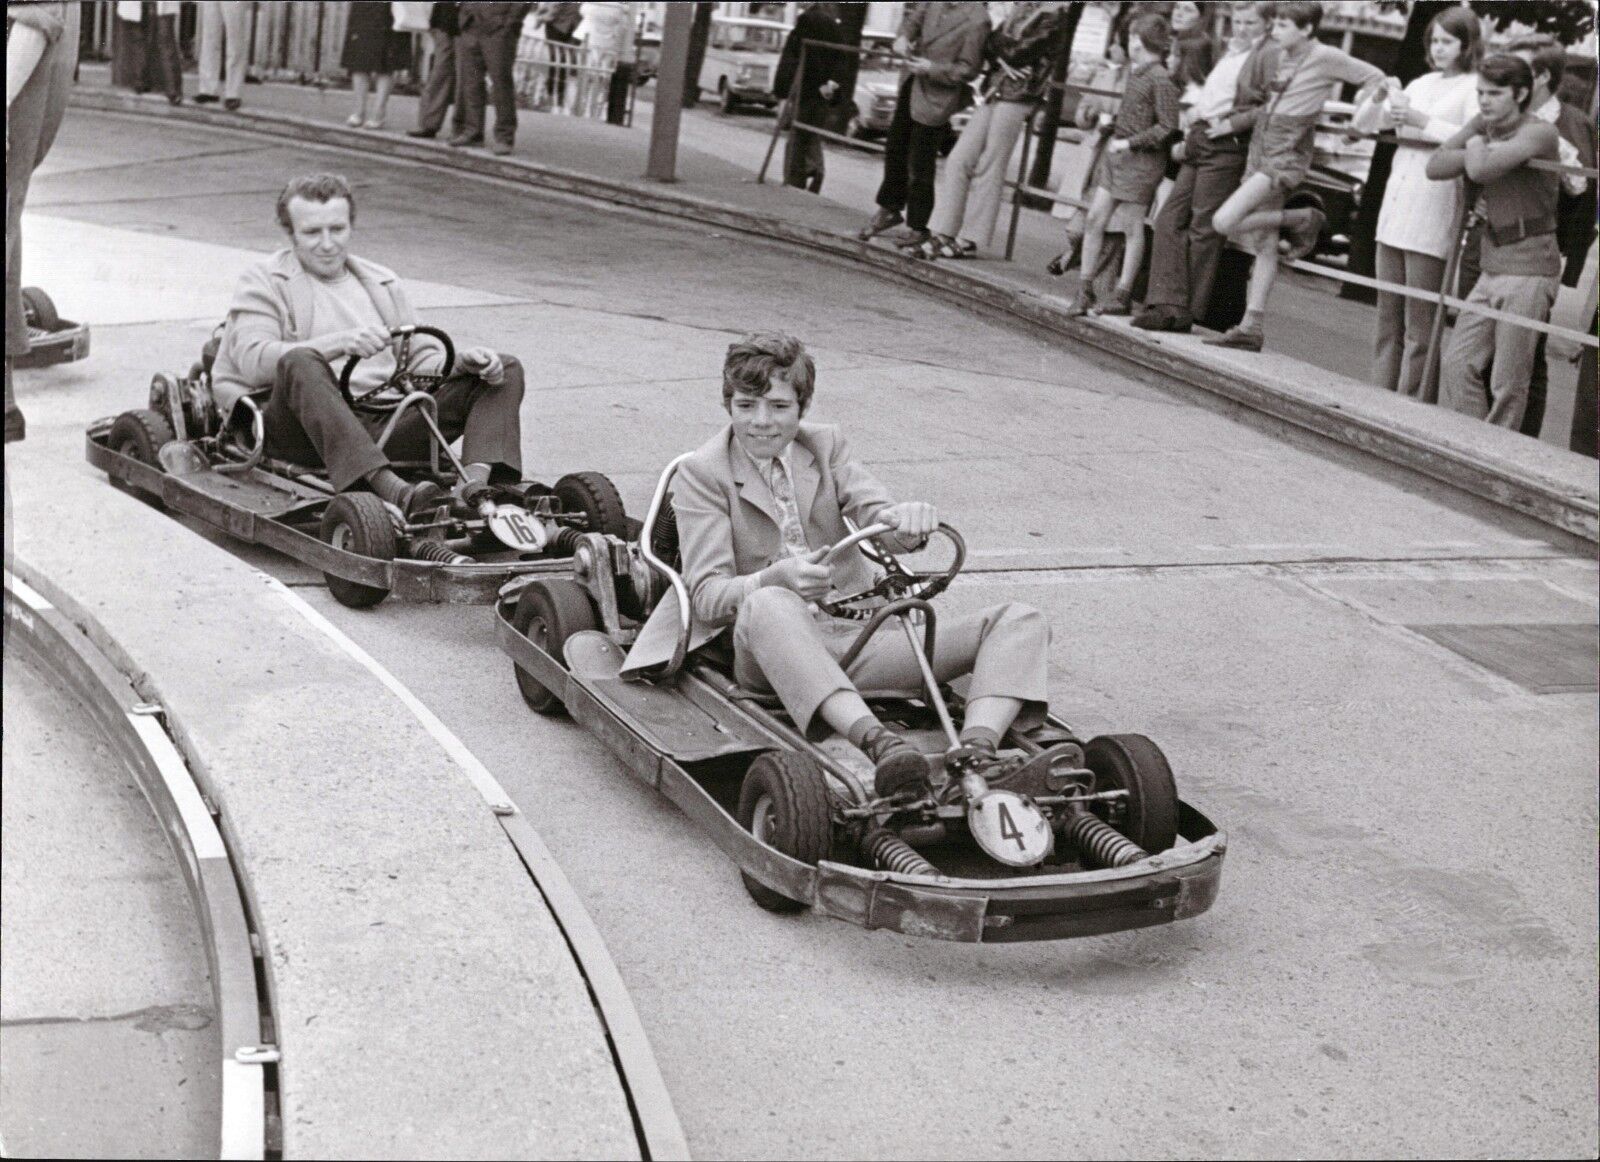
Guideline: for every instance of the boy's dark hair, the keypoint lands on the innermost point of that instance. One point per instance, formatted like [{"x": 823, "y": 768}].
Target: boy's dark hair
[
  {"x": 1548, "y": 56},
  {"x": 1304, "y": 13},
  {"x": 316, "y": 187},
  {"x": 1507, "y": 71},
  {"x": 1268, "y": 10},
  {"x": 1154, "y": 33},
  {"x": 752, "y": 360}
]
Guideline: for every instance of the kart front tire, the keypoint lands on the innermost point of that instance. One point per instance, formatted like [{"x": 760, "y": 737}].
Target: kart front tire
[
  {"x": 39, "y": 309},
  {"x": 593, "y": 494},
  {"x": 139, "y": 435},
  {"x": 1132, "y": 763},
  {"x": 358, "y": 522},
  {"x": 548, "y": 613},
  {"x": 784, "y": 803}
]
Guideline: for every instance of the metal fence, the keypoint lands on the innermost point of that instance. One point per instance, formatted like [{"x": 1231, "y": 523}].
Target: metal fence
[{"x": 566, "y": 78}]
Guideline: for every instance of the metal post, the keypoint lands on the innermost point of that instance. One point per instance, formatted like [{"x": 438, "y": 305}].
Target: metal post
[
  {"x": 1022, "y": 179},
  {"x": 671, "y": 76},
  {"x": 793, "y": 100},
  {"x": 1430, "y": 365}
]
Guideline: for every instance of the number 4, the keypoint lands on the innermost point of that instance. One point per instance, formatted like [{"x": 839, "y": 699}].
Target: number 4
[{"x": 1009, "y": 828}]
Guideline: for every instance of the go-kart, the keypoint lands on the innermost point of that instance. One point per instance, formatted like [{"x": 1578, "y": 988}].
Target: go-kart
[
  {"x": 180, "y": 453},
  {"x": 51, "y": 339},
  {"x": 1052, "y": 837}
]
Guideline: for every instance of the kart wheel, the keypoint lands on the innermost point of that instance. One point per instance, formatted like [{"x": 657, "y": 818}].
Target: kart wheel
[
  {"x": 39, "y": 310},
  {"x": 548, "y": 613},
  {"x": 139, "y": 436},
  {"x": 593, "y": 494},
  {"x": 1132, "y": 763},
  {"x": 784, "y": 804},
  {"x": 358, "y": 522}
]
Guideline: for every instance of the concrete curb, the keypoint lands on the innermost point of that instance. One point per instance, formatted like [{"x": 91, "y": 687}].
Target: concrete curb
[{"x": 1558, "y": 488}]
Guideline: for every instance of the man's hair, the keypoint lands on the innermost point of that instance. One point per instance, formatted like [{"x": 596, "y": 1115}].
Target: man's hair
[
  {"x": 752, "y": 360},
  {"x": 1511, "y": 72},
  {"x": 1547, "y": 53},
  {"x": 1304, "y": 13},
  {"x": 1267, "y": 8},
  {"x": 1461, "y": 23},
  {"x": 1154, "y": 33},
  {"x": 316, "y": 187}
]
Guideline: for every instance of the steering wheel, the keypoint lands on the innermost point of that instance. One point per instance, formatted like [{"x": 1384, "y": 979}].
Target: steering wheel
[
  {"x": 897, "y": 580},
  {"x": 403, "y": 378}
]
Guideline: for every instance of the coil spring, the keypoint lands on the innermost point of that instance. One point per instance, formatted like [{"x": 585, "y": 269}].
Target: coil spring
[
  {"x": 432, "y": 550},
  {"x": 892, "y": 853},
  {"x": 1099, "y": 844},
  {"x": 564, "y": 543}
]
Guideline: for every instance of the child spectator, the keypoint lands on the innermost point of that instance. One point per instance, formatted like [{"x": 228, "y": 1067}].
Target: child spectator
[
  {"x": 1136, "y": 158},
  {"x": 1280, "y": 155}
]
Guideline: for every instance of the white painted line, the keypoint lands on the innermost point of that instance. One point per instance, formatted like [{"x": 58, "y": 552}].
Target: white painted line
[
  {"x": 29, "y": 595},
  {"x": 244, "y": 1110}
]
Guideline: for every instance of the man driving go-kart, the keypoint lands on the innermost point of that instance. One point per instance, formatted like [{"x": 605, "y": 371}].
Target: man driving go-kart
[
  {"x": 757, "y": 508},
  {"x": 314, "y": 302}
]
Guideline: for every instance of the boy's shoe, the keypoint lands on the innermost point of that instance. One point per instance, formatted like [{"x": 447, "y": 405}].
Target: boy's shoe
[
  {"x": 1303, "y": 238},
  {"x": 422, "y": 133},
  {"x": 1237, "y": 338},
  {"x": 205, "y": 98},
  {"x": 461, "y": 139},
  {"x": 897, "y": 765},
  {"x": 882, "y": 220},
  {"x": 231, "y": 104},
  {"x": 421, "y": 498},
  {"x": 1063, "y": 262},
  {"x": 500, "y": 148},
  {"x": 1082, "y": 303}
]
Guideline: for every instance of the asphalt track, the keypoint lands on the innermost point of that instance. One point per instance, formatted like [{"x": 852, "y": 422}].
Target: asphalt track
[{"x": 1403, "y": 957}]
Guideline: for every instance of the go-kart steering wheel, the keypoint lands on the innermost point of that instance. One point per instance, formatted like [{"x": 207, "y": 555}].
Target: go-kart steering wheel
[
  {"x": 897, "y": 581},
  {"x": 403, "y": 378}
]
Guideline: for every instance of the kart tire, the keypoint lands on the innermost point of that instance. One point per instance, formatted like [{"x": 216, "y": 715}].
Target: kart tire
[
  {"x": 139, "y": 435},
  {"x": 39, "y": 310},
  {"x": 548, "y": 613},
  {"x": 358, "y": 522},
  {"x": 593, "y": 494},
  {"x": 1132, "y": 763},
  {"x": 790, "y": 794}
]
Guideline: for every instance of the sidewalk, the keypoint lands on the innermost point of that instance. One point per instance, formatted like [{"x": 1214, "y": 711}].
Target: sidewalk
[{"x": 595, "y": 160}]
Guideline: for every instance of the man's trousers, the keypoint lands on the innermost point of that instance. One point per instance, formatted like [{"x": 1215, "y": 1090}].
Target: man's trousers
[
  {"x": 482, "y": 52},
  {"x": 1489, "y": 363},
  {"x": 1186, "y": 251},
  {"x": 910, "y": 157},
  {"x": 224, "y": 47},
  {"x": 308, "y": 422},
  {"x": 441, "y": 91}
]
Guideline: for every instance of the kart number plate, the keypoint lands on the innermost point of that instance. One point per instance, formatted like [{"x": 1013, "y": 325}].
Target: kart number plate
[
  {"x": 517, "y": 529},
  {"x": 1010, "y": 828}
]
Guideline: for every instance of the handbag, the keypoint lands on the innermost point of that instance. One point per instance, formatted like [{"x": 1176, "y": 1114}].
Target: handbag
[{"x": 411, "y": 17}]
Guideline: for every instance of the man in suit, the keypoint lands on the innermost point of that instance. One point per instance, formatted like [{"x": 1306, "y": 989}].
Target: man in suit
[
  {"x": 314, "y": 302},
  {"x": 486, "y": 46},
  {"x": 441, "y": 92},
  {"x": 757, "y": 507},
  {"x": 813, "y": 95}
]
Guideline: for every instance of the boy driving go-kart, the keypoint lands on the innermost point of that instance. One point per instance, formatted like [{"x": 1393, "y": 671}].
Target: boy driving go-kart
[{"x": 757, "y": 507}]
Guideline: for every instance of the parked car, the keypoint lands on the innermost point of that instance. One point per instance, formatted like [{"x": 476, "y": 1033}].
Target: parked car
[
  {"x": 741, "y": 57},
  {"x": 877, "y": 89}
]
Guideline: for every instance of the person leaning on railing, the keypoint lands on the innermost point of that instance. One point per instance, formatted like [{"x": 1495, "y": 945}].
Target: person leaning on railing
[
  {"x": 1418, "y": 221},
  {"x": 1520, "y": 261},
  {"x": 1017, "y": 57},
  {"x": 810, "y": 97}
]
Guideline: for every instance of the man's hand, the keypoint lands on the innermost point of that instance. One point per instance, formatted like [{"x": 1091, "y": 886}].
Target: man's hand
[
  {"x": 920, "y": 65},
  {"x": 806, "y": 575},
  {"x": 483, "y": 363},
  {"x": 829, "y": 89},
  {"x": 911, "y": 518},
  {"x": 1179, "y": 151},
  {"x": 364, "y": 341},
  {"x": 1120, "y": 145},
  {"x": 1218, "y": 127}
]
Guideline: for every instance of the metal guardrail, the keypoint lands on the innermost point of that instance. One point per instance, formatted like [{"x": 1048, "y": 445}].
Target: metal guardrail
[
  {"x": 546, "y": 70},
  {"x": 138, "y": 733}
]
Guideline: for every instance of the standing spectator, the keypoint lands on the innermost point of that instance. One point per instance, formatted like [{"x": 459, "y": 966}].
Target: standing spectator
[
  {"x": 1193, "y": 52},
  {"x": 147, "y": 48},
  {"x": 945, "y": 43},
  {"x": 1280, "y": 156},
  {"x": 373, "y": 50},
  {"x": 1019, "y": 57},
  {"x": 1520, "y": 260},
  {"x": 560, "y": 27},
  {"x": 224, "y": 52},
  {"x": 41, "y": 57},
  {"x": 812, "y": 95},
  {"x": 1575, "y": 208},
  {"x": 487, "y": 46},
  {"x": 442, "y": 92},
  {"x": 1187, "y": 249},
  {"x": 1136, "y": 158},
  {"x": 1418, "y": 223},
  {"x": 609, "y": 31}
]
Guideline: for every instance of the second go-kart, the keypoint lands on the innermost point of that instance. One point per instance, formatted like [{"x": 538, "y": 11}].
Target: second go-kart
[
  {"x": 51, "y": 339},
  {"x": 1053, "y": 837},
  {"x": 182, "y": 454}
]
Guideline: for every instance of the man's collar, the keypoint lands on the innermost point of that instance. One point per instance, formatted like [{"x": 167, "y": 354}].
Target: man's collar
[{"x": 1550, "y": 110}]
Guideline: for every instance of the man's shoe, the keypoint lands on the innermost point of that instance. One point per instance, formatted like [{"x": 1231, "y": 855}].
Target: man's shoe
[
  {"x": 897, "y": 765},
  {"x": 909, "y": 239},
  {"x": 459, "y": 140},
  {"x": 1303, "y": 238},
  {"x": 205, "y": 98},
  {"x": 16, "y": 426},
  {"x": 881, "y": 221},
  {"x": 1120, "y": 303},
  {"x": 422, "y": 499},
  {"x": 422, "y": 133},
  {"x": 501, "y": 148},
  {"x": 1153, "y": 319},
  {"x": 231, "y": 104},
  {"x": 1181, "y": 322},
  {"x": 1237, "y": 338}
]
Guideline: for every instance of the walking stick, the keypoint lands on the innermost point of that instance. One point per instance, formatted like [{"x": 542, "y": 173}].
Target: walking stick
[
  {"x": 1430, "y": 365},
  {"x": 777, "y": 126}
]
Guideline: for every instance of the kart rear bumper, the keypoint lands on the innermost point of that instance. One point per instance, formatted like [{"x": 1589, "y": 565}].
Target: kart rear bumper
[{"x": 66, "y": 344}]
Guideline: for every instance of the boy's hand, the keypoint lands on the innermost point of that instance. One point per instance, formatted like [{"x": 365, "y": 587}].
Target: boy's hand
[
  {"x": 806, "y": 575},
  {"x": 483, "y": 363}
]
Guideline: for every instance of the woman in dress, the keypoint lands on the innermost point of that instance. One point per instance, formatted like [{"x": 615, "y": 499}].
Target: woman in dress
[{"x": 373, "y": 50}]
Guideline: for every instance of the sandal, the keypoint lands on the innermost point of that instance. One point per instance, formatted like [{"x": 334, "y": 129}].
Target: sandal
[
  {"x": 956, "y": 247},
  {"x": 928, "y": 249}
]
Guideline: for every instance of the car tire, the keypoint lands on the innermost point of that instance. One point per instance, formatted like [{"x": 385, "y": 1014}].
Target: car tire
[
  {"x": 548, "y": 613},
  {"x": 593, "y": 494},
  {"x": 358, "y": 522},
  {"x": 784, "y": 803},
  {"x": 39, "y": 309},
  {"x": 139, "y": 436},
  {"x": 727, "y": 103},
  {"x": 1132, "y": 763}
]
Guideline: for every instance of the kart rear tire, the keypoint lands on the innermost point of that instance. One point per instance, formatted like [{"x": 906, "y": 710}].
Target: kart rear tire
[
  {"x": 139, "y": 435},
  {"x": 358, "y": 522},
  {"x": 1133, "y": 763},
  {"x": 784, "y": 803},
  {"x": 39, "y": 309},
  {"x": 548, "y": 613},
  {"x": 593, "y": 494}
]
